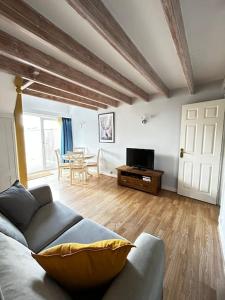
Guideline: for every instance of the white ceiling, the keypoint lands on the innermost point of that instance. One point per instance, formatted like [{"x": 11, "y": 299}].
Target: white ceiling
[
  {"x": 204, "y": 22},
  {"x": 144, "y": 22}
]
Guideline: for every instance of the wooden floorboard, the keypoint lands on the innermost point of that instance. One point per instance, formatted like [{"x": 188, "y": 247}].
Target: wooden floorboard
[{"x": 194, "y": 266}]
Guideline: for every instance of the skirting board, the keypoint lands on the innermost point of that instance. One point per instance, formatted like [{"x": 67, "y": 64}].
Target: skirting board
[
  {"x": 222, "y": 243},
  {"x": 108, "y": 174},
  {"x": 169, "y": 188},
  {"x": 164, "y": 187}
]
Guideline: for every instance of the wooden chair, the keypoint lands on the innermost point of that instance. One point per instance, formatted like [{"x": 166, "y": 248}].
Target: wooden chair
[
  {"x": 94, "y": 164},
  {"x": 78, "y": 167},
  {"x": 61, "y": 165},
  {"x": 79, "y": 149}
]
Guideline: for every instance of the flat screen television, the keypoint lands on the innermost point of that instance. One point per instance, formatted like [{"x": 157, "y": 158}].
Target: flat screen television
[{"x": 140, "y": 158}]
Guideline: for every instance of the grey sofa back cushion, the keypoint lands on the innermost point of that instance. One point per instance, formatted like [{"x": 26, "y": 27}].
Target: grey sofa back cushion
[
  {"x": 21, "y": 278},
  {"x": 18, "y": 205},
  {"x": 48, "y": 224},
  {"x": 11, "y": 230}
]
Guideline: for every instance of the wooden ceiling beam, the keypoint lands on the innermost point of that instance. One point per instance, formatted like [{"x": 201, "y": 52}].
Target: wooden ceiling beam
[
  {"x": 37, "y": 25},
  {"x": 26, "y": 84},
  {"x": 173, "y": 14},
  {"x": 58, "y": 99},
  {"x": 22, "y": 52},
  {"x": 64, "y": 95},
  {"x": 95, "y": 12},
  {"x": 27, "y": 72}
]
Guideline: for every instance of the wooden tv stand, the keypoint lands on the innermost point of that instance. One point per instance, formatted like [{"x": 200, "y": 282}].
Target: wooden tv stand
[{"x": 145, "y": 180}]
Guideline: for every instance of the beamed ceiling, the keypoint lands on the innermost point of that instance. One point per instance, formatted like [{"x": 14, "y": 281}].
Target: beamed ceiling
[{"x": 97, "y": 54}]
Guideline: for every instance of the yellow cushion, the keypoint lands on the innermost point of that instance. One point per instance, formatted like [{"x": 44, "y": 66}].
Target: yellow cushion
[{"x": 78, "y": 266}]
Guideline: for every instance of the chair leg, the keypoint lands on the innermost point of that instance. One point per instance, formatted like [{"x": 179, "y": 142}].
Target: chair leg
[
  {"x": 58, "y": 174},
  {"x": 98, "y": 171},
  {"x": 71, "y": 177},
  {"x": 85, "y": 175}
]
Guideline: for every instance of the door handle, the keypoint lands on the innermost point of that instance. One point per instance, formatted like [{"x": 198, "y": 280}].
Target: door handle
[{"x": 181, "y": 152}]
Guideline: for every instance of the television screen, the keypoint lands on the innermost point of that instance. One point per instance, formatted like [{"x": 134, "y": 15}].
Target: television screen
[{"x": 140, "y": 158}]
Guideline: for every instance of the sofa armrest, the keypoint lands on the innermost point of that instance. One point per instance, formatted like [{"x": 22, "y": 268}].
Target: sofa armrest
[
  {"x": 42, "y": 194},
  {"x": 142, "y": 277}
]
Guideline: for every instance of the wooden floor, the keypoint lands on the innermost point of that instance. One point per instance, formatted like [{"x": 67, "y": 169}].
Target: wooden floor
[{"x": 188, "y": 227}]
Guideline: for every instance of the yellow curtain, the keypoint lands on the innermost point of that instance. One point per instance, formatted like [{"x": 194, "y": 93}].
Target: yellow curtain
[{"x": 20, "y": 141}]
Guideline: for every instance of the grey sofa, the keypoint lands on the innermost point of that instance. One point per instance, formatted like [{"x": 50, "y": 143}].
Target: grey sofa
[{"x": 21, "y": 277}]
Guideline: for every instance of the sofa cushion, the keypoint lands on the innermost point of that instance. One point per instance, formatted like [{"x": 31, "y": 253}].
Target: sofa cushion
[
  {"x": 11, "y": 230},
  {"x": 85, "y": 232},
  {"x": 42, "y": 194},
  {"x": 82, "y": 266},
  {"x": 49, "y": 222},
  {"x": 18, "y": 205},
  {"x": 21, "y": 277}
]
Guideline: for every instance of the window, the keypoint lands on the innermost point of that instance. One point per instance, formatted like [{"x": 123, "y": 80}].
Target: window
[{"x": 42, "y": 137}]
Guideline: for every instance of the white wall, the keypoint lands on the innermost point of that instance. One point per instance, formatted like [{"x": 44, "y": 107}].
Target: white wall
[
  {"x": 221, "y": 226},
  {"x": 162, "y": 132},
  {"x": 7, "y": 93},
  {"x": 45, "y": 107},
  {"x": 85, "y": 128},
  {"x": 8, "y": 164},
  {"x": 222, "y": 216}
]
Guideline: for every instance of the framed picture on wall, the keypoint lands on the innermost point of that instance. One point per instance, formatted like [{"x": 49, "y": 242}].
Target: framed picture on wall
[{"x": 106, "y": 127}]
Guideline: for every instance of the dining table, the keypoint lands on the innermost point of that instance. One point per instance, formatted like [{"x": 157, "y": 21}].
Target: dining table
[{"x": 86, "y": 156}]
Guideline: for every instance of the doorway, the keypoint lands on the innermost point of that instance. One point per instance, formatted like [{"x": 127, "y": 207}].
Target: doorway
[
  {"x": 201, "y": 143},
  {"x": 42, "y": 137}
]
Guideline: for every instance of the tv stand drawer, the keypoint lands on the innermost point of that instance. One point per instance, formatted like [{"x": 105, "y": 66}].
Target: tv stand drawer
[
  {"x": 135, "y": 183},
  {"x": 148, "y": 181},
  {"x": 131, "y": 180}
]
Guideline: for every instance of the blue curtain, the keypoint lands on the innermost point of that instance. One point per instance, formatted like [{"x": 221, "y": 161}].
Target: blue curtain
[{"x": 67, "y": 136}]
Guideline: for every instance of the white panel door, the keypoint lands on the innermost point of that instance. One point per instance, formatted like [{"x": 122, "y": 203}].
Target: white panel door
[
  {"x": 200, "y": 150},
  {"x": 8, "y": 164}
]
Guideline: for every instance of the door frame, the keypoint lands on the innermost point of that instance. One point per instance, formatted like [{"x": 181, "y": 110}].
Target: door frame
[
  {"x": 221, "y": 158},
  {"x": 222, "y": 161}
]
